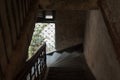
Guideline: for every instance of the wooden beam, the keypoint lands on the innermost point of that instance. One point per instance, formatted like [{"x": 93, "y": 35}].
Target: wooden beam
[{"x": 68, "y": 4}]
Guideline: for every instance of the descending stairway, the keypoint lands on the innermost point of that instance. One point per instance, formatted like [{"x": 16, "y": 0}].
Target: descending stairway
[{"x": 68, "y": 66}]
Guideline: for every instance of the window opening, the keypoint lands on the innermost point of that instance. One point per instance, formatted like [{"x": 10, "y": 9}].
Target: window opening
[{"x": 44, "y": 31}]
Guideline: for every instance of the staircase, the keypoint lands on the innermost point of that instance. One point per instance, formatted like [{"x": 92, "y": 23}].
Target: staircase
[{"x": 68, "y": 66}]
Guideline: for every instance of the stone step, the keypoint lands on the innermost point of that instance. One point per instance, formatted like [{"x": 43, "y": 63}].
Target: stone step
[
  {"x": 62, "y": 57},
  {"x": 49, "y": 62},
  {"x": 58, "y": 73},
  {"x": 52, "y": 59},
  {"x": 65, "y": 56},
  {"x": 71, "y": 61},
  {"x": 70, "y": 66}
]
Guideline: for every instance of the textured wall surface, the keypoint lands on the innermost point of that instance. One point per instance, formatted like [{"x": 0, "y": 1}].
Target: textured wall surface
[
  {"x": 69, "y": 28},
  {"x": 111, "y": 10},
  {"x": 68, "y": 4},
  {"x": 114, "y": 7},
  {"x": 99, "y": 50},
  {"x": 16, "y": 28}
]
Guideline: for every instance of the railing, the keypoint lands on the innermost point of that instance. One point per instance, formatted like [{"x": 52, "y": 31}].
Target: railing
[{"x": 34, "y": 68}]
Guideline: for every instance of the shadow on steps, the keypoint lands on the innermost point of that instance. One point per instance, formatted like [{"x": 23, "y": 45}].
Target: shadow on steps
[
  {"x": 62, "y": 73},
  {"x": 68, "y": 65}
]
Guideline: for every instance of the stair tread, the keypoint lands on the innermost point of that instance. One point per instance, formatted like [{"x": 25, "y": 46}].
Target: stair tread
[
  {"x": 68, "y": 57},
  {"x": 73, "y": 62},
  {"x": 56, "y": 73},
  {"x": 70, "y": 66},
  {"x": 53, "y": 58},
  {"x": 63, "y": 56}
]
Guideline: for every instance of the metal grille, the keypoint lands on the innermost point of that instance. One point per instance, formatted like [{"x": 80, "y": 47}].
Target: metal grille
[{"x": 48, "y": 33}]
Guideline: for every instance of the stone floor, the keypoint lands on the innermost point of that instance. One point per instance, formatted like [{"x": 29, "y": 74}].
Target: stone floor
[{"x": 69, "y": 66}]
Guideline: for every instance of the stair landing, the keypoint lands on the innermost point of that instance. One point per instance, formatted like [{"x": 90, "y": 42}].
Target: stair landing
[
  {"x": 64, "y": 73},
  {"x": 70, "y": 68}
]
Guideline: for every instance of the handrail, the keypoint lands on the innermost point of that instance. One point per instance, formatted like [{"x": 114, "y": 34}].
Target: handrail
[{"x": 34, "y": 68}]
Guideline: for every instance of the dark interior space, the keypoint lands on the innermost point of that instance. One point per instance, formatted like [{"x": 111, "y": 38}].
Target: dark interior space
[{"x": 87, "y": 40}]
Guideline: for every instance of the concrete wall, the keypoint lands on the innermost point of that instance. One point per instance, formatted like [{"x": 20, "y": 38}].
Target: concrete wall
[
  {"x": 99, "y": 50},
  {"x": 111, "y": 10},
  {"x": 70, "y": 26},
  {"x": 114, "y": 8}
]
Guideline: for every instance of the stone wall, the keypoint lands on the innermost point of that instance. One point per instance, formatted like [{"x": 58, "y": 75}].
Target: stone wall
[
  {"x": 99, "y": 50},
  {"x": 110, "y": 9},
  {"x": 70, "y": 26},
  {"x": 114, "y": 8}
]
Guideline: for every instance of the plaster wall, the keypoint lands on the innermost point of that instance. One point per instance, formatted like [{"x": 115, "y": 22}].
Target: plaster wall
[
  {"x": 70, "y": 26},
  {"x": 99, "y": 51}
]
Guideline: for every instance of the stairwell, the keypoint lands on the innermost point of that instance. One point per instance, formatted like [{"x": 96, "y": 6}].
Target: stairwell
[{"x": 68, "y": 66}]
